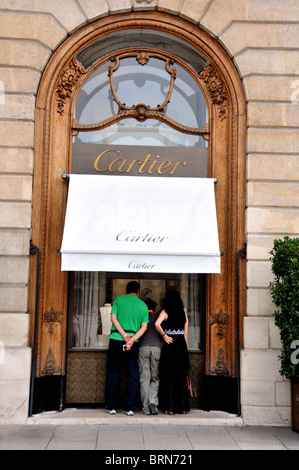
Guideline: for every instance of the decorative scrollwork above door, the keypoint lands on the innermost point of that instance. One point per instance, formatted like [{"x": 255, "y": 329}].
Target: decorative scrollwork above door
[{"x": 141, "y": 111}]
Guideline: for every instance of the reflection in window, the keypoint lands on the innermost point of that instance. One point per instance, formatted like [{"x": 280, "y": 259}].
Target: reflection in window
[{"x": 130, "y": 132}]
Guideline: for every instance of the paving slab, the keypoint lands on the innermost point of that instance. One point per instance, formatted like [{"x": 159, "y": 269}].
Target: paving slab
[
  {"x": 211, "y": 437},
  {"x": 26, "y": 438},
  {"x": 122, "y": 438},
  {"x": 169, "y": 436},
  {"x": 287, "y": 437},
  {"x": 256, "y": 438},
  {"x": 100, "y": 416}
]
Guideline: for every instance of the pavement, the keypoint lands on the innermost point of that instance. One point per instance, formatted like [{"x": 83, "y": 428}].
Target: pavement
[{"x": 144, "y": 436}]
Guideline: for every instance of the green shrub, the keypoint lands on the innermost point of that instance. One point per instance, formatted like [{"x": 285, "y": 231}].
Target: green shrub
[{"x": 285, "y": 295}]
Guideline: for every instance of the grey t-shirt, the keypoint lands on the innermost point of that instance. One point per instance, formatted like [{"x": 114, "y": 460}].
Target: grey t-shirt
[{"x": 151, "y": 337}]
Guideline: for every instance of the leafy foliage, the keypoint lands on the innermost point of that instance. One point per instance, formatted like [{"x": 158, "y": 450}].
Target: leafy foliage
[{"x": 285, "y": 295}]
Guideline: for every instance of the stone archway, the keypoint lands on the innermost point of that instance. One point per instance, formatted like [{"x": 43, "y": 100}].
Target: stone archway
[{"x": 226, "y": 102}]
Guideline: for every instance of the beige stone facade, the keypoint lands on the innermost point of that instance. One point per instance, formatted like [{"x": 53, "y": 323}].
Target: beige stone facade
[{"x": 261, "y": 37}]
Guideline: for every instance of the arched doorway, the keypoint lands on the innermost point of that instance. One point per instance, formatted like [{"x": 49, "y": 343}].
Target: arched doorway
[{"x": 207, "y": 63}]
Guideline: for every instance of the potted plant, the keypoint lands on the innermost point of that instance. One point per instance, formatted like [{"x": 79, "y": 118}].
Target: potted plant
[{"x": 285, "y": 295}]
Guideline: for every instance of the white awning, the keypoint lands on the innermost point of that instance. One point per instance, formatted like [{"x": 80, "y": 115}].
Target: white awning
[{"x": 140, "y": 224}]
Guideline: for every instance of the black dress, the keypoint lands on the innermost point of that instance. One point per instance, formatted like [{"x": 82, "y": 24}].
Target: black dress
[{"x": 174, "y": 367}]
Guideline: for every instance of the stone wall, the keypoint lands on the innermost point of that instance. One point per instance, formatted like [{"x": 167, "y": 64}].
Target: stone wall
[{"x": 261, "y": 36}]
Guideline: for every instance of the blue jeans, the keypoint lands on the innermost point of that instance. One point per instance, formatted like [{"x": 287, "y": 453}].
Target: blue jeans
[{"x": 115, "y": 358}]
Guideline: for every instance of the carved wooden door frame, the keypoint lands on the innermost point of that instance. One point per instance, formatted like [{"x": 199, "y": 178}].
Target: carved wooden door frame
[{"x": 227, "y": 110}]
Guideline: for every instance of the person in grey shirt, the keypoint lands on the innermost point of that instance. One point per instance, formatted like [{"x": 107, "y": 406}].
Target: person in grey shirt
[{"x": 149, "y": 357}]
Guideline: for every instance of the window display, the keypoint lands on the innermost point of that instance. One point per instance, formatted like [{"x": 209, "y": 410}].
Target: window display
[{"x": 92, "y": 295}]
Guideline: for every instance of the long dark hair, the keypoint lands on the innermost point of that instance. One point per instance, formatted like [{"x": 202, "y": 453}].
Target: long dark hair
[{"x": 173, "y": 306}]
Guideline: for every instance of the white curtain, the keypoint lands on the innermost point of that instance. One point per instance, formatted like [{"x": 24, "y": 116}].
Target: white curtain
[
  {"x": 190, "y": 291},
  {"x": 85, "y": 308}
]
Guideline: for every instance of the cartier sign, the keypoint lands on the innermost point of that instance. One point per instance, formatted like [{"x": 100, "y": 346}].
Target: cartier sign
[{"x": 127, "y": 160}]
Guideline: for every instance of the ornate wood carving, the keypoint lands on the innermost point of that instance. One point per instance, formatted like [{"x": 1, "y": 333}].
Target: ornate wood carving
[
  {"x": 222, "y": 320},
  {"x": 215, "y": 88},
  {"x": 143, "y": 58},
  {"x": 220, "y": 365},
  {"x": 67, "y": 83},
  {"x": 141, "y": 112},
  {"x": 51, "y": 367},
  {"x": 51, "y": 319},
  {"x": 146, "y": 2}
]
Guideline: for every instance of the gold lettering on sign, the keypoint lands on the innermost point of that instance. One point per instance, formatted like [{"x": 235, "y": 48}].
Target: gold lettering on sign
[
  {"x": 143, "y": 164},
  {"x": 100, "y": 156},
  {"x": 149, "y": 165}
]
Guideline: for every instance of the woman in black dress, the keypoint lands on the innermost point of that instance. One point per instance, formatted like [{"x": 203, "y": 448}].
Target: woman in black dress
[{"x": 172, "y": 324}]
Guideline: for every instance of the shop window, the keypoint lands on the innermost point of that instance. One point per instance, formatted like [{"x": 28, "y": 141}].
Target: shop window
[{"x": 92, "y": 293}]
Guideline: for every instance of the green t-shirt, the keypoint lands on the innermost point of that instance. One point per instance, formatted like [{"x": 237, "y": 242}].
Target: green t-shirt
[{"x": 130, "y": 312}]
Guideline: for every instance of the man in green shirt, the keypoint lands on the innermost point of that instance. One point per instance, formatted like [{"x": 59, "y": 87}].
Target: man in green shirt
[{"x": 129, "y": 316}]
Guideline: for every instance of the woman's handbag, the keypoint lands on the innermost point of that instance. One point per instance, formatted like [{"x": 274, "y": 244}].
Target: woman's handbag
[{"x": 190, "y": 385}]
